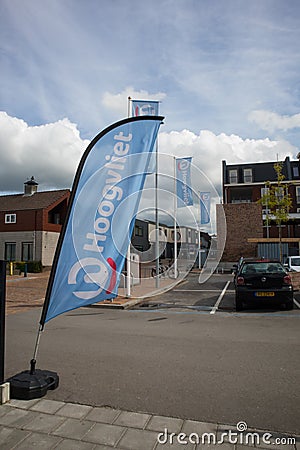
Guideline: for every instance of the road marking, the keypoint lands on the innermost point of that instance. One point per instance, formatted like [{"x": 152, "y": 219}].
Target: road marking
[
  {"x": 213, "y": 311},
  {"x": 296, "y": 303}
]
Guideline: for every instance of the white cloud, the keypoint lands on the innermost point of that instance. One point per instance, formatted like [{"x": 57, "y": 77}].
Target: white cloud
[
  {"x": 50, "y": 152},
  {"x": 208, "y": 150},
  {"x": 270, "y": 121},
  {"x": 118, "y": 102}
]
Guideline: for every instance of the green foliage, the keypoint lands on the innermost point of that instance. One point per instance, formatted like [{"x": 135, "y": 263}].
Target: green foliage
[
  {"x": 277, "y": 200},
  {"x": 32, "y": 266}
]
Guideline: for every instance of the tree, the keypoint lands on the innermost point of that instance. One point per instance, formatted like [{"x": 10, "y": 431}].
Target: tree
[{"x": 277, "y": 202}]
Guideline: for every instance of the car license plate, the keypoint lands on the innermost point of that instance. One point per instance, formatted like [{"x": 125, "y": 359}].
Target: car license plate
[{"x": 264, "y": 294}]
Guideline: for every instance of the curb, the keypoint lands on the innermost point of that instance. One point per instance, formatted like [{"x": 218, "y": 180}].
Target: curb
[{"x": 134, "y": 300}]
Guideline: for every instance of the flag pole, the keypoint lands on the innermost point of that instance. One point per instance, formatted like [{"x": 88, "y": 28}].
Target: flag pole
[
  {"x": 156, "y": 221},
  {"x": 175, "y": 221},
  {"x": 2, "y": 318},
  {"x": 199, "y": 234},
  {"x": 128, "y": 260}
]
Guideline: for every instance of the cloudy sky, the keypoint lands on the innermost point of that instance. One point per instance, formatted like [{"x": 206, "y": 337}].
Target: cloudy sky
[{"x": 226, "y": 73}]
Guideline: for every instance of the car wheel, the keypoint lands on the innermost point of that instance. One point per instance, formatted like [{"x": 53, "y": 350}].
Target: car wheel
[{"x": 238, "y": 304}]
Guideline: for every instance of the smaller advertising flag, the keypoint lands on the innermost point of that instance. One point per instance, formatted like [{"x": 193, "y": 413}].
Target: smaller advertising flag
[
  {"x": 205, "y": 207},
  {"x": 183, "y": 182},
  {"x": 144, "y": 108}
]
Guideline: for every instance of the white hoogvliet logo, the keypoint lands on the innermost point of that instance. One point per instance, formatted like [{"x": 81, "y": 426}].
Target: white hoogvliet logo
[{"x": 111, "y": 194}]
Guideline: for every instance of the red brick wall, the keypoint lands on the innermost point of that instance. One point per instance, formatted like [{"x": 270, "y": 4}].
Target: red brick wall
[
  {"x": 27, "y": 220},
  {"x": 243, "y": 221}
]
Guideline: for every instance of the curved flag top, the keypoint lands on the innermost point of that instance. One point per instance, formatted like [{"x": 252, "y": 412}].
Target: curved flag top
[{"x": 91, "y": 250}]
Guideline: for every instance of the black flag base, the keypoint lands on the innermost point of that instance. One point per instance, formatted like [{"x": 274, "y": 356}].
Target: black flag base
[{"x": 33, "y": 383}]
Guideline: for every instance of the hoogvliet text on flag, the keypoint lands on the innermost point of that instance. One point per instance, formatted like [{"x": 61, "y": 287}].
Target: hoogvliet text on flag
[{"x": 183, "y": 178}]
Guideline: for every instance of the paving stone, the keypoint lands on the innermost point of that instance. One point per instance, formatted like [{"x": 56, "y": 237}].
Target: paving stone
[
  {"x": 104, "y": 447},
  {"x": 23, "y": 404},
  {"x": 73, "y": 428},
  {"x": 17, "y": 417},
  {"x": 39, "y": 441},
  {"x": 104, "y": 434},
  {"x": 4, "y": 409},
  {"x": 191, "y": 426},
  {"x": 10, "y": 437},
  {"x": 71, "y": 444},
  {"x": 74, "y": 411},
  {"x": 138, "y": 439},
  {"x": 104, "y": 415},
  {"x": 176, "y": 446},
  {"x": 132, "y": 419},
  {"x": 44, "y": 423},
  {"x": 47, "y": 406},
  {"x": 224, "y": 446},
  {"x": 159, "y": 423}
]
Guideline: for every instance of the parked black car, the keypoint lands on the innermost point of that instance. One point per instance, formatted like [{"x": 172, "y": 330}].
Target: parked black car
[{"x": 262, "y": 281}]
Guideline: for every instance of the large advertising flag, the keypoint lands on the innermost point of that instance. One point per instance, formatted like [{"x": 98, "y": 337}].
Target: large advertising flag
[
  {"x": 183, "y": 182},
  {"x": 205, "y": 207},
  {"x": 144, "y": 108},
  {"x": 106, "y": 192}
]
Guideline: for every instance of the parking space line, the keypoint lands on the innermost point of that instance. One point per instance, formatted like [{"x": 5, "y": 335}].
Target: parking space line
[
  {"x": 213, "y": 311},
  {"x": 296, "y": 303}
]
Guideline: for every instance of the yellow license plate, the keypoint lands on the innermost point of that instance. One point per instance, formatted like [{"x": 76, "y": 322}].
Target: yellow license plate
[{"x": 264, "y": 294}]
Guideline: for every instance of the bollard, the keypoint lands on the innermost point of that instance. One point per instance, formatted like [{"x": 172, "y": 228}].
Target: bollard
[
  {"x": 25, "y": 270},
  {"x": 11, "y": 268}
]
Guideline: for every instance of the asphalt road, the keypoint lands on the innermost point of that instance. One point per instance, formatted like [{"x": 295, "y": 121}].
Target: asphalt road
[{"x": 192, "y": 361}]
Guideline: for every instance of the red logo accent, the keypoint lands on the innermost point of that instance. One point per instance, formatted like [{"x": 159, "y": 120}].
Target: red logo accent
[{"x": 113, "y": 279}]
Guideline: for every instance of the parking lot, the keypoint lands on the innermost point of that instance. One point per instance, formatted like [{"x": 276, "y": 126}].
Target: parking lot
[
  {"x": 215, "y": 296},
  {"x": 187, "y": 354}
]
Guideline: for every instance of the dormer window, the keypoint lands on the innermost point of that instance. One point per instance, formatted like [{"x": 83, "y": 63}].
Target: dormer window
[
  {"x": 233, "y": 176},
  {"x": 247, "y": 175},
  {"x": 10, "y": 218}
]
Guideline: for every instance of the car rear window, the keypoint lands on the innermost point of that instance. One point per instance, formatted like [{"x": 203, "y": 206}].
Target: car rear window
[
  {"x": 295, "y": 261},
  {"x": 262, "y": 267}
]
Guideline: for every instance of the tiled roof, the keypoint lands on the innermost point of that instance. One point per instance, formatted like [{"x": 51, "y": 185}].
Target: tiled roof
[{"x": 39, "y": 200}]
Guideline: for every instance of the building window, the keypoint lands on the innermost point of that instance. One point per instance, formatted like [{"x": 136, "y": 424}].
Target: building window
[
  {"x": 298, "y": 194},
  {"x": 264, "y": 191},
  {"x": 248, "y": 176},
  {"x": 10, "y": 251},
  {"x": 138, "y": 231},
  {"x": 54, "y": 218},
  {"x": 296, "y": 172},
  {"x": 27, "y": 251},
  {"x": 10, "y": 218},
  {"x": 233, "y": 178},
  {"x": 279, "y": 194}
]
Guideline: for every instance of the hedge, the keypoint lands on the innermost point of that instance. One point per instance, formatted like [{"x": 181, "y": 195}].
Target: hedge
[{"x": 32, "y": 266}]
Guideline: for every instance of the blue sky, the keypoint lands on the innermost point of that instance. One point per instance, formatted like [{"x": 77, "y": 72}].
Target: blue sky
[{"x": 226, "y": 73}]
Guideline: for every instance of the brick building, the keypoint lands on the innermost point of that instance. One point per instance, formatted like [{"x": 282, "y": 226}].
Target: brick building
[
  {"x": 245, "y": 184},
  {"x": 30, "y": 223},
  {"x": 243, "y": 222}
]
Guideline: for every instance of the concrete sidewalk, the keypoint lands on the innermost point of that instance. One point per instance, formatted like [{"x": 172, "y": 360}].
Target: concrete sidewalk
[
  {"x": 28, "y": 293},
  {"x": 48, "y": 424}
]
